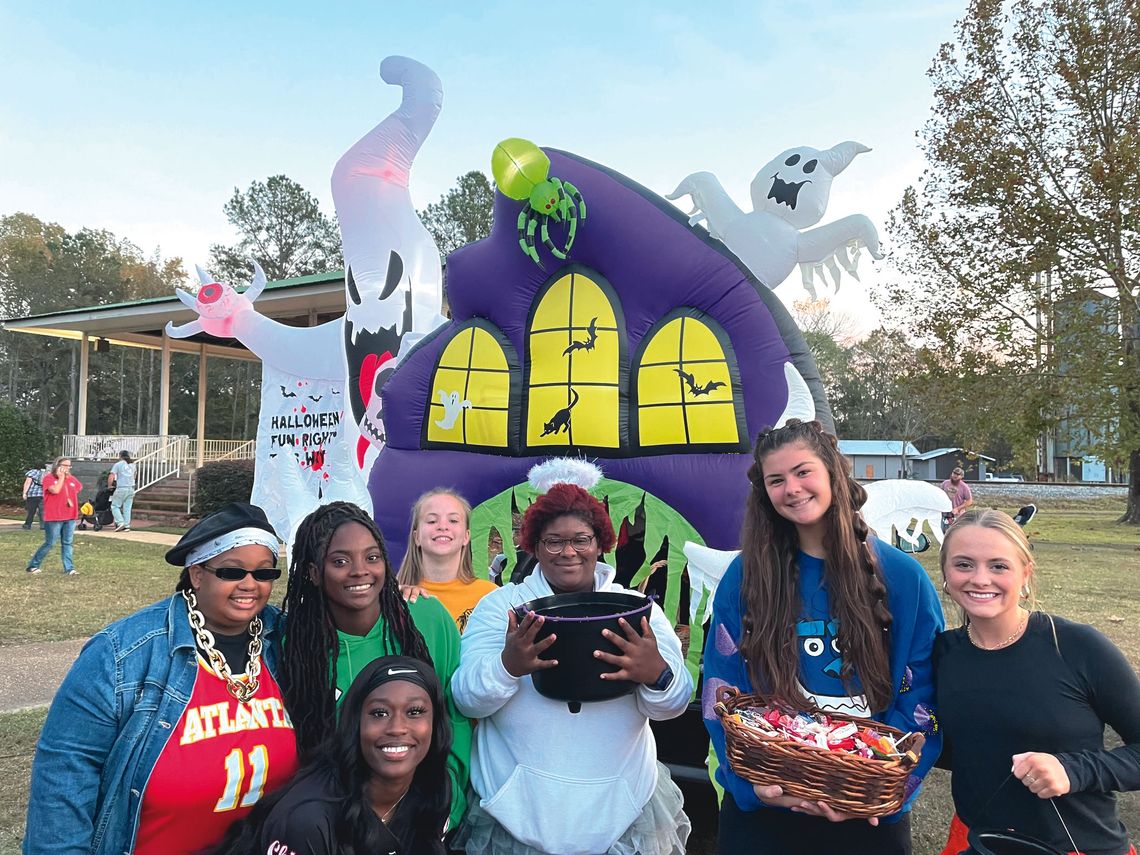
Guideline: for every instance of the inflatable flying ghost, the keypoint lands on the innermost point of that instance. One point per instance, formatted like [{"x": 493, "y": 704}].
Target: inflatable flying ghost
[
  {"x": 321, "y": 424},
  {"x": 789, "y": 194}
]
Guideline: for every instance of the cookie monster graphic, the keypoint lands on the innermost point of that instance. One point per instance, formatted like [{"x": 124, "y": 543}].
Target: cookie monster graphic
[{"x": 821, "y": 661}]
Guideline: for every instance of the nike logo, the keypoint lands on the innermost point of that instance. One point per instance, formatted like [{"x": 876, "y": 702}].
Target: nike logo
[{"x": 392, "y": 672}]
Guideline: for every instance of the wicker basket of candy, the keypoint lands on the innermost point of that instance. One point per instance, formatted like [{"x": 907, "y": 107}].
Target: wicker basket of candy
[{"x": 859, "y": 767}]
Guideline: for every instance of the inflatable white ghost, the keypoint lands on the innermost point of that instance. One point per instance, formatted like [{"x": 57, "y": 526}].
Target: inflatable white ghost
[
  {"x": 321, "y": 385},
  {"x": 789, "y": 194},
  {"x": 902, "y": 507}
]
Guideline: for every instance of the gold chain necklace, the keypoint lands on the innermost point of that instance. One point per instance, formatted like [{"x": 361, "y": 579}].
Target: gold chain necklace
[
  {"x": 999, "y": 646},
  {"x": 243, "y": 692}
]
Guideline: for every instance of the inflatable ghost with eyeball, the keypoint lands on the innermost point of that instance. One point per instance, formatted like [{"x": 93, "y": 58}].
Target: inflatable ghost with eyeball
[
  {"x": 789, "y": 194},
  {"x": 321, "y": 409}
]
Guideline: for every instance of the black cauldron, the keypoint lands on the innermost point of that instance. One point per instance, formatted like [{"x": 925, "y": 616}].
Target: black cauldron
[
  {"x": 578, "y": 621},
  {"x": 1006, "y": 843}
]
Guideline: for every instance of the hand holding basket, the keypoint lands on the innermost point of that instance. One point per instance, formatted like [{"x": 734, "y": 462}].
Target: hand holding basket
[{"x": 858, "y": 786}]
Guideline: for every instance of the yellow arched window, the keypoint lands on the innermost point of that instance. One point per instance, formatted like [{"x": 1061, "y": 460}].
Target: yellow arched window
[
  {"x": 471, "y": 390},
  {"x": 687, "y": 388},
  {"x": 575, "y": 355}
]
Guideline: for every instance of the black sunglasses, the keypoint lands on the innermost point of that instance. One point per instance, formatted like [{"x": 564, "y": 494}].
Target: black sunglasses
[{"x": 236, "y": 574}]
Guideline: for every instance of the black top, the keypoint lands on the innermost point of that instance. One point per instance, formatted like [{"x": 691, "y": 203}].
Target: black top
[
  {"x": 235, "y": 649},
  {"x": 304, "y": 823},
  {"x": 1047, "y": 694}
]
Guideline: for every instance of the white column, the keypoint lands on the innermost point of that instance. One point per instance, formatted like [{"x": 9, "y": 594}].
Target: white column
[
  {"x": 164, "y": 388},
  {"x": 81, "y": 406},
  {"x": 201, "y": 431}
]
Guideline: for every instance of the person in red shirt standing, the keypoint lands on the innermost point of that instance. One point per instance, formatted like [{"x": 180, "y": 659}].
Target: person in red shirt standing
[{"x": 61, "y": 511}]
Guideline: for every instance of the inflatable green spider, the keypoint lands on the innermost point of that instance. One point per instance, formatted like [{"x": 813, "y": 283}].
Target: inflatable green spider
[{"x": 522, "y": 172}]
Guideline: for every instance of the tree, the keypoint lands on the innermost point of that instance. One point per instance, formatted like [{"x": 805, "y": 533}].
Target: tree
[
  {"x": 44, "y": 268},
  {"x": 885, "y": 393},
  {"x": 1022, "y": 240},
  {"x": 281, "y": 226},
  {"x": 829, "y": 336},
  {"x": 25, "y": 447},
  {"x": 462, "y": 214}
]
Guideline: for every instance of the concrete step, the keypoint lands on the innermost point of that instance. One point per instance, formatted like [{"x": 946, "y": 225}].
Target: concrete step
[
  {"x": 175, "y": 518},
  {"x": 173, "y": 505},
  {"x": 160, "y": 491}
]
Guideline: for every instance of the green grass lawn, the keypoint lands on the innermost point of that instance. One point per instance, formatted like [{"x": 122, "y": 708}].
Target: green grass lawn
[
  {"x": 18, "y": 734},
  {"x": 1088, "y": 570},
  {"x": 116, "y": 578}
]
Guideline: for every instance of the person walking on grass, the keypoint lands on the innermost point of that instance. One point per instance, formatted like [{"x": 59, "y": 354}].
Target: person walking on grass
[
  {"x": 122, "y": 481},
  {"x": 34, "y": 495},
  {"x": 61, "y": 512}
]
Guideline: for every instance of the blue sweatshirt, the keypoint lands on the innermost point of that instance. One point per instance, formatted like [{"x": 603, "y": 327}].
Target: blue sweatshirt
[{"x": 917, "y": 620}]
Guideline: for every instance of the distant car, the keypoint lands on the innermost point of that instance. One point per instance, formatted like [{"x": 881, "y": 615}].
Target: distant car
[{"x": 992, "y": 476}]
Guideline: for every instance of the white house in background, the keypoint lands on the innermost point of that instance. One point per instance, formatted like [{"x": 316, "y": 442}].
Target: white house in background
[
  {"x": 936, "y": 464},
  {"x": 873, "y": 459}
]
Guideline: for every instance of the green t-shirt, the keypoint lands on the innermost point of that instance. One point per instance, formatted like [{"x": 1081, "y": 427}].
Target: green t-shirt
[{"x": 438, "y": 629}]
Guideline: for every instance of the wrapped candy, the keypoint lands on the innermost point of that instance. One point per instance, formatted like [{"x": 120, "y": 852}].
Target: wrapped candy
[{"x": 821, "y": 731}]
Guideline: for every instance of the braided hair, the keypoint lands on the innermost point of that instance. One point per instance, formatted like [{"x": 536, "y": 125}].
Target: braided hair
[
  {"x": 308, "y": 663},
  {"x": 770, "y": 592}
]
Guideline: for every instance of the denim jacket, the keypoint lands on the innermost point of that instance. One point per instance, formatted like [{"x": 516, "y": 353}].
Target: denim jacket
[{"x": 109, "y": 723}]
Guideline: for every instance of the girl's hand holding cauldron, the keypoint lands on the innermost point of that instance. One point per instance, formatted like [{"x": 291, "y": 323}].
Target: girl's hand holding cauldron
[
  {"x": 520, "y": 652},
  {"x": 639, "y": 661},
  {"x": 1042, "y": 773}
]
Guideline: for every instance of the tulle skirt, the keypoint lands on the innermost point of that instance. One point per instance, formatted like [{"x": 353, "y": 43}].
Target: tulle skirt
[{"x": 661, "y": 829}]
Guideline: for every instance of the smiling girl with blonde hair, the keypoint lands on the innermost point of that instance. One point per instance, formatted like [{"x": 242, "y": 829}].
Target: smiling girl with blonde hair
[
  {"x": 438, "y": 560},
  {"x": 1024, "y": 698}
]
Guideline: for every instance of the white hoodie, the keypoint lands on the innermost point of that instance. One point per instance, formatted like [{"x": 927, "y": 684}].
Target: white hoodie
[{"x": 565, "y": 783}]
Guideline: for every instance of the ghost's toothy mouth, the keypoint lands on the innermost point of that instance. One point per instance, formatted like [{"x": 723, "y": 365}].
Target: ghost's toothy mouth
[
  {"x": 372, "y": 430},
  {"x": 786, "y": 192},
  {"x": 856, "y": 706}
]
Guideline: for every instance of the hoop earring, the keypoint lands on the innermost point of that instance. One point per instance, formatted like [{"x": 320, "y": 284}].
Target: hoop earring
[
  {"x": 1025, "y": 591},
  {"x": 945, "y": 588}
]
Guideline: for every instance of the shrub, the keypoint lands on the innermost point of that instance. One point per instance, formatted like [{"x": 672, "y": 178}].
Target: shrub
[
  {"x": 220, "y": 483},
  {"x": 25, "y": 447}
]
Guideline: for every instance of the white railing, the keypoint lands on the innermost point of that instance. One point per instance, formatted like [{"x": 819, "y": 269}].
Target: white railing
[
  {"x": 108, "y": 446},
  {"x": 220, "y": 449},
  {"x": 245, "y": 451},
  {"x": 161, "y": 463}
]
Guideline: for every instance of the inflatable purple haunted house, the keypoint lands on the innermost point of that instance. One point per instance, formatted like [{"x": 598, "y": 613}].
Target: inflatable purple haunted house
[{"x": 650, "y": 350}]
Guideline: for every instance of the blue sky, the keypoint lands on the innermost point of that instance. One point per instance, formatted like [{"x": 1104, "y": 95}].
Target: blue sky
[{"x": 142, "y": 118}]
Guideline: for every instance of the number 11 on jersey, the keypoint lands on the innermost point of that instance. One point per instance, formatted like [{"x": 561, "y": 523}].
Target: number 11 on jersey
[{"x": 235, "y": 776}]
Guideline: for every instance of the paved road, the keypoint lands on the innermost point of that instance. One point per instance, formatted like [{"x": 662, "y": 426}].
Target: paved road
[{"x": 30, "y": 673}]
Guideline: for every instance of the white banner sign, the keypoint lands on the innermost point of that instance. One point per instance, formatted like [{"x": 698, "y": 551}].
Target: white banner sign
[{"x": 303, "y": 454}]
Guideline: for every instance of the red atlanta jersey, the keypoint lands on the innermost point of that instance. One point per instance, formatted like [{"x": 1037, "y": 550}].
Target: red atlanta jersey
[{"x": 221, "y": 757}]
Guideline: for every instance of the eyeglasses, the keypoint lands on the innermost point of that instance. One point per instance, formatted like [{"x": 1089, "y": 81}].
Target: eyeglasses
[
  {"x": 555, "y": 545},
  {"x": 236, "y": 574}
]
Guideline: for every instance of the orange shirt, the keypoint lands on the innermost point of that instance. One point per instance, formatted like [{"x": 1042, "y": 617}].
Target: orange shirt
[
  {"x": 220, "y": 759},
  {"x": 459, "y": 598}
]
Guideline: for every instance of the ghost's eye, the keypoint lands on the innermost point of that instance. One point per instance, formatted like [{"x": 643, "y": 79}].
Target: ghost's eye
[
  {"x": 813, "y": 646},
  {"x": 793, "y": 160},
  {"x": 835, "y": 644},
  {"x": 810, "y": 165}
]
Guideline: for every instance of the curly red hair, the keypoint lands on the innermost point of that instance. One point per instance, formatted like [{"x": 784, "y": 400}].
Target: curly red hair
[{"x": 562, "y": 500}]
